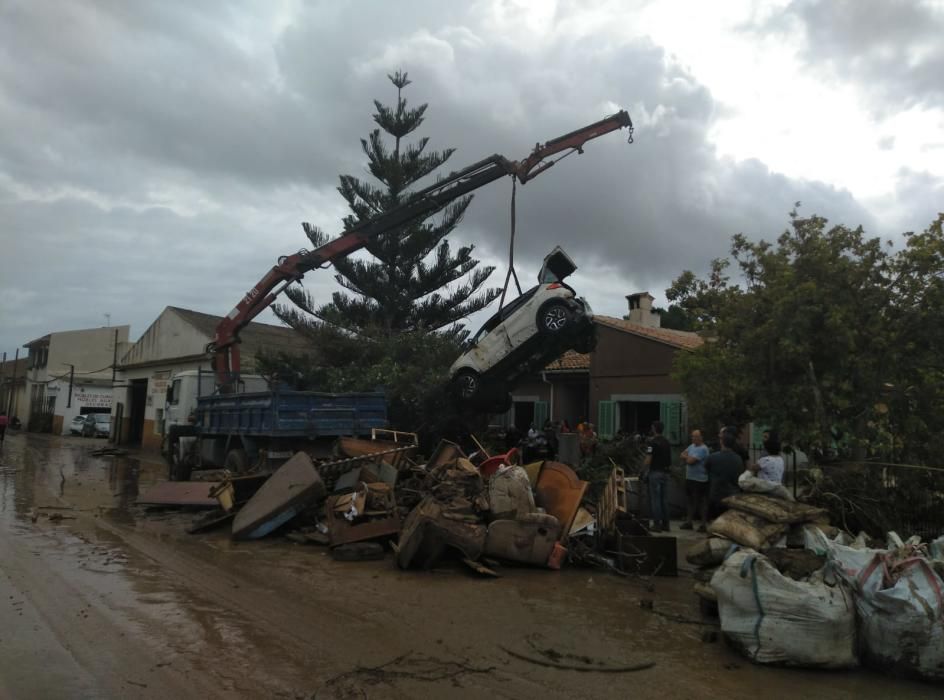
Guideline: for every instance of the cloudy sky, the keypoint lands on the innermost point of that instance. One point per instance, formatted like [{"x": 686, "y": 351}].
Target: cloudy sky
[{"x": 164, "y": 153}]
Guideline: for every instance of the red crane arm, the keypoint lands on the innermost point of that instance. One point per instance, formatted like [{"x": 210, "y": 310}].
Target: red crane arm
[{"x": 225, "y": 346}]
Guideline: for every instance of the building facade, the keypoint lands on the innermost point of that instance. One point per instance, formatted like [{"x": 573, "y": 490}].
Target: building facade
[
  {"x": 69, "y": 373},
  {"x": 622, "y": 386},
  {"x": 176, "y": 341}
]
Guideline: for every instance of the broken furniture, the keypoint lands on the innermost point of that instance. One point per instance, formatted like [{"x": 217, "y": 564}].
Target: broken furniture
[
  {"x": 367, "y": 512},
  {"x": 234, "y": 491},
  {"x": 528, "y": 539},
  {"x": 399, "y": 445},
  {"x": 291, "y": 489}
]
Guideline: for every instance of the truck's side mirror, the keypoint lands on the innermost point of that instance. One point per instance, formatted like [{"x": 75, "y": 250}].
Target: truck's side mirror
[{"x": 169, "y": 394}]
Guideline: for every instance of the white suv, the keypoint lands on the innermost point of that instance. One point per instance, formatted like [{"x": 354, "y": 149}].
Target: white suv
[{"x": 526, "y": 334}]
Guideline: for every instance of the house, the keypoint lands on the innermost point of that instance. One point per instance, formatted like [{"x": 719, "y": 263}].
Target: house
[
  {"x": 69, "y": 373},
  {"x": 13, "y": 387},
  {"x": 623, "y": 385},
  {"x": 176, "y": 341}
]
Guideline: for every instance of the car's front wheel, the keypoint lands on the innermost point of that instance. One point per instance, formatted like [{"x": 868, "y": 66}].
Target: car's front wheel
[
  {"x": 554, "y": 318},
  {"x": 467, "y": 384}
]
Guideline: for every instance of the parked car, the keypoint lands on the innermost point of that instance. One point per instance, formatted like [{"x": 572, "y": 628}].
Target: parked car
[
  {"x": 526, "y": 334},
  {"x": 77, "y": 424},
  {"x": 97, "y": 425}
]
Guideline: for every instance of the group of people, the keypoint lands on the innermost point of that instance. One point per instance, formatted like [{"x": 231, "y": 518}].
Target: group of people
[
  {"x": 710, "y": 477},
  {"x": 543, "y": 443}
]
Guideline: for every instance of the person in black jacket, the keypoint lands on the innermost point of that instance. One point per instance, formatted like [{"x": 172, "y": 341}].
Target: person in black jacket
[
  {"x": 723, "y": 469},
  {"x": 658, "y": 459}
]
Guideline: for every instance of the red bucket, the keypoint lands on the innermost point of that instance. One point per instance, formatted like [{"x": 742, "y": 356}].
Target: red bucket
[{"x": 491, "y": 465}]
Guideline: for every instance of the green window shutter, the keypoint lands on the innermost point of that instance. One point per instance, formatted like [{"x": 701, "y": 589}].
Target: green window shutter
[
  {"x": 670, "y": 413},
  {"x": 757, "y": 434},
  {"x": 540, "y": 414},
  {"x": 606, "y": 419}
]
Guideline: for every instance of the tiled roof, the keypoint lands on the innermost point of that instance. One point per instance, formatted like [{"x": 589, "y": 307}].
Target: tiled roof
[
  {"x": 570, "y": 361},
  {"x": 678, "y": 339}
]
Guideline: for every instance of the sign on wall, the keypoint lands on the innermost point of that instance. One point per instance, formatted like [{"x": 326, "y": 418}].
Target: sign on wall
[{"x": 91, "y": 399}]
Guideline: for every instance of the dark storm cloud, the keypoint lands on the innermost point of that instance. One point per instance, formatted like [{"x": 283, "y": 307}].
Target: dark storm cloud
[
  {"x": 159, "y": 153},
  {"x": 891, "y": 48}
]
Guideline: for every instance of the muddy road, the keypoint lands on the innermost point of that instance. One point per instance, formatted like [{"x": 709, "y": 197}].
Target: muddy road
[{"x": 100, "y": 598}]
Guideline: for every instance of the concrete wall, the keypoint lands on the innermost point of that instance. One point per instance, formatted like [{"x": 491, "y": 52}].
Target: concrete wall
[
  {"x": 167, "y": 338},
  {"x": 90, "y": 350},
  {"x": 626, "y": 364}
]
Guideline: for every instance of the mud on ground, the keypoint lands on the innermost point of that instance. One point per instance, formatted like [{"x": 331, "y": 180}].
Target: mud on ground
[{"x": 102, "y": 598}]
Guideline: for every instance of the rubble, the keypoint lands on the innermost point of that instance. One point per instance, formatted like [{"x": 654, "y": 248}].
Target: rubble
[{"x": 293, "y": 486}]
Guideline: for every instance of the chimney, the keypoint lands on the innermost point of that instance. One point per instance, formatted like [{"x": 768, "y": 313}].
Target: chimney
[{"x": 640, "y": 310}]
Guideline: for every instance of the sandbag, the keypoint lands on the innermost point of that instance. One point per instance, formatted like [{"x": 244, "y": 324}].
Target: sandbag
[
  {"x": 748, "y": 482},
  {"x": 708, "y": 552},
  {"x": 774, "y": 510},
  {"x": 747, "y": 530},
  {"x": 902, "y": 627},
  {"x": 705, "y": 591},
  {"x": 772, "y": 619},
  {"x": 900, "y": 600}
]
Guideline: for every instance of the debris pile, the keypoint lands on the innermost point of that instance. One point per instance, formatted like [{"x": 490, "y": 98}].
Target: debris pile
[{"x": 476, "y": 508}]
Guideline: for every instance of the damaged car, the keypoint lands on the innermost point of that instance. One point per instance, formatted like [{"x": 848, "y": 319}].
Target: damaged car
[{"x": 527, "y": 333}]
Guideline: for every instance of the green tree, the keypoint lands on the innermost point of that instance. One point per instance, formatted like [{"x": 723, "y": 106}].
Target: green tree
[
  {"x": 415, "y": 282},
  {"x": 396, "y": 322},
  {"x": 824, "y": 335}
]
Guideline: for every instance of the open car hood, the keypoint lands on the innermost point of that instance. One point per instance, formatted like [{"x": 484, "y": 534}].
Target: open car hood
[{"x": 557, "y": 266}]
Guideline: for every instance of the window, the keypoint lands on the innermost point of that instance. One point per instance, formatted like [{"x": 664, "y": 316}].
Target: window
[{"x": 175, "y": 392}]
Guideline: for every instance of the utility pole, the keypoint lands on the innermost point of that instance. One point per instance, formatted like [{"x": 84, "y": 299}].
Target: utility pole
[
  {"x": 11, "y": 408},
  {"x": 114, "y": 359},
  {"x": 71, "y": 377}
]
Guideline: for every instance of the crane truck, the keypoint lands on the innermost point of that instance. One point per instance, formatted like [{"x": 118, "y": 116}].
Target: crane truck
[{"x": 229, "y": 421}]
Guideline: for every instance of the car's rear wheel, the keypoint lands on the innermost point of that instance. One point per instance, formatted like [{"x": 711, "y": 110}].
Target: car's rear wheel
[
  {"x": 503, "y": 403},
  {"x": 554, "y": 318},
  {"x": 467, "y": 383},
  {"x": 586, "y": 343}
]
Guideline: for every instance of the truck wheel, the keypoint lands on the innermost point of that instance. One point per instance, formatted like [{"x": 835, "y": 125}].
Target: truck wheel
[
  {"x": 179, "y": 470},
  {"x": 467, "y": 383},
  {"x": 236, "y": 461},
  {"x": 554, "y": 318}
]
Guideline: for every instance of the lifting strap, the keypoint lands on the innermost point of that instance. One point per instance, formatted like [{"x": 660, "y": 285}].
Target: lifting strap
[{"x": 511, "y": 250}]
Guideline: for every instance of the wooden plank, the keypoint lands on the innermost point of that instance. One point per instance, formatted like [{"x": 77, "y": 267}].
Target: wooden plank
[{"x": 193, "y": 494}]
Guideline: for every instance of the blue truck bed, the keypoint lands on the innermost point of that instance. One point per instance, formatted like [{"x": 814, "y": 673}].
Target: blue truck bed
[{"x": 310, "y": 414}]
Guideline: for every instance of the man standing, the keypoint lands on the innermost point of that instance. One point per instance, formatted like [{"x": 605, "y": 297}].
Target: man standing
[
  {"x": 723, "y": 469},
  {"x": 659, "y": 459},
  {"x": 696, "y": 481}
]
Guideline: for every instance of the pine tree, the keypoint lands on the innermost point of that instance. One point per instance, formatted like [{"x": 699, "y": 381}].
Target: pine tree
[{"x": 415, "y": 282}]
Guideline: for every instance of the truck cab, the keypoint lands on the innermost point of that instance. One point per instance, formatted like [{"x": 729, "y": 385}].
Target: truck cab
[{"x": 189, "y": 385}]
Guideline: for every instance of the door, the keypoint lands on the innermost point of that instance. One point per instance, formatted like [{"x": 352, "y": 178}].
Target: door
[{"x": 670, "y": 413}]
